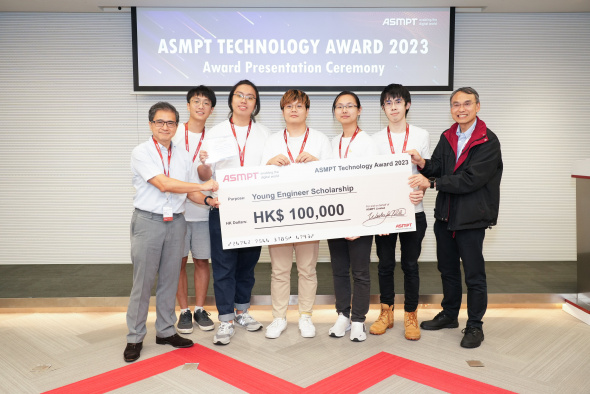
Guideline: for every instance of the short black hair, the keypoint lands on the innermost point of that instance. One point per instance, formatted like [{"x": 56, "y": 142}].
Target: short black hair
[
  {"x": 231, "y": 96},
  {"x": 466, "y": 90},
  {"x": 395, "y": 90},
  {"x": 162, "y": 106},
  {"x": 204, "y": 91}
]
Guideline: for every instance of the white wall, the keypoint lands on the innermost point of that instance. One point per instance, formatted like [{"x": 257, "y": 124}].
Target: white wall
[{"x": 70, "y": 120}]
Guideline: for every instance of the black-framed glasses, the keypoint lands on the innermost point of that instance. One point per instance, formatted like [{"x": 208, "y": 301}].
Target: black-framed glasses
[
  {"x": 160, "y": 123},
  {"x": 348, "y": 107}
]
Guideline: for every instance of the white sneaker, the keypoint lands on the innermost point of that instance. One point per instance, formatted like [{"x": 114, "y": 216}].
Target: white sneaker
[
  {"x": 357, "y": 331},
  {"x": 340, "y": 327},
  {"x": 224, "y": 333},
  {"x": 306, "y": 326},
  {"x": 274, "y": 329},
  {"x": 247, "y": 321}
]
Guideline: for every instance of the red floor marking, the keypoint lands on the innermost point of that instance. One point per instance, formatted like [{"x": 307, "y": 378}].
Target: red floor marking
[{"x": 245, "y": 377}]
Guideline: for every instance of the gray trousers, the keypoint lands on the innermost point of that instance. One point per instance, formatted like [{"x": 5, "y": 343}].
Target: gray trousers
[{"x": 156, "y": 248}]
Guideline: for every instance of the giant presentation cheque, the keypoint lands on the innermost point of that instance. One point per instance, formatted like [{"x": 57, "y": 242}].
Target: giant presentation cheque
[{"x": 319, "y": 200}]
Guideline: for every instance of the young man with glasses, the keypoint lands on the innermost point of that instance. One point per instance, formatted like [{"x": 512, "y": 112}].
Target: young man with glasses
[
  {"x": 200, "y": 104},
  {"x": 399, "y": 137},
  {"x": 163, "y": 177},
  {"x": 466, "y": 170},
  {"x": 296, "y": 144},
  {"x": 233, "y": 269}
]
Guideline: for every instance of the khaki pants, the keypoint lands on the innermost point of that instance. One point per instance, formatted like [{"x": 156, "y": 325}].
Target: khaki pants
[{"x": 281, "y": 257}]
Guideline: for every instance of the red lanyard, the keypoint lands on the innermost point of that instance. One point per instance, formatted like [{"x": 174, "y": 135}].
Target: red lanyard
[
  {"x": 351, "y": 139},
  {"x": 186, "y": 140},
  {"x": 242, "y": 151},
  {"x": 302, "y": 145},
  {"x": 405, "y": 140},
  {"x": 162, "y": 158}
]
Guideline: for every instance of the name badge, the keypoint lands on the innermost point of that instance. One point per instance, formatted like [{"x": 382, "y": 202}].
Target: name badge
[{"x": 168, "y": 214}]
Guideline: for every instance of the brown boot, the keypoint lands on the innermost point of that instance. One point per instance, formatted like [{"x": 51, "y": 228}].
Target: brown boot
[
  {"x": 411, "y": 324},
  {"x": 384, "y": 321}
]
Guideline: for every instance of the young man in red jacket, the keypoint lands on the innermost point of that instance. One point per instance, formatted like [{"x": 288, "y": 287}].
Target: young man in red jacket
[{"x": 466, "y": 170}]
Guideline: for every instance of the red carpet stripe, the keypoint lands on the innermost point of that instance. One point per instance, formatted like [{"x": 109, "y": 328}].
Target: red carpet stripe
[{"x": 354, "y": 379}]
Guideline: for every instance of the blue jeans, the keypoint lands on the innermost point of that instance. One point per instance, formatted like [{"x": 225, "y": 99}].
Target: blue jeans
[
  {"x": 411, "y": 247},
  {"x": 452, "y": 247},
  {"x": 233, "y": 272}
]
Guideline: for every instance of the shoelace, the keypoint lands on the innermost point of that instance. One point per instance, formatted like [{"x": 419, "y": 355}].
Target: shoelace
[
  {"x": 383, "y": 316},
  {"x": 224, "y": 327},
  {"x": 412, "y": 319},
  {"x": 275, "y": 323},
  {"x": 306, "y": 321},
  {"x": 246, "y": 318}
]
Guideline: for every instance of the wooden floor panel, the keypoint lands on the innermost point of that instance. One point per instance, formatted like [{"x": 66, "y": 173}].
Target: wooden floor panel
[{"x": 525, "y": 350}]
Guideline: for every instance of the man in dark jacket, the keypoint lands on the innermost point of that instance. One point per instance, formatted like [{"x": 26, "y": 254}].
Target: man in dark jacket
[{"x": 466, "y": 169}]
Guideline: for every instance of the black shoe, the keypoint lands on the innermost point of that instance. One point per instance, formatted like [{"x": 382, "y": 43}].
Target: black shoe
[
  {"x": 185, "y": 322},
  {"x": 203, "y": 321},
  {"x": 473, "y": 337},
  {"x": 174, "y": 340},
  {"x": 132, "y": 351},
  {"x": 442, "y": 320}
]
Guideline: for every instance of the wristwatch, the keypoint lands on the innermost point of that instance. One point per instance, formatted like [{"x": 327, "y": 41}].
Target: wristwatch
[
  {"x": 206, "y": 203},
  {"x": 432, "y": 182}
]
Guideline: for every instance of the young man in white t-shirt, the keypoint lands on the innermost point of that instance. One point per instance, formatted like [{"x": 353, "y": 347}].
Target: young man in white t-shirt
[
  {"x": 297, "y": 143},
  {"x": 399, "y": 137},
  {"x": 200, "y": 104}
]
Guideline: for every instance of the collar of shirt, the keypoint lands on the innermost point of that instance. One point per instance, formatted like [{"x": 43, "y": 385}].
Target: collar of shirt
[{"x": 463, "y": 138}]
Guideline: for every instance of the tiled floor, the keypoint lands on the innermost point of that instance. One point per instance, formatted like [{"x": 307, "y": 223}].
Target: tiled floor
[{"x": 525, "y": 351}]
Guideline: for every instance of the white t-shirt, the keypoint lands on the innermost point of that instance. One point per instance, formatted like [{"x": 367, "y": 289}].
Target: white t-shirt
[
  {"x": 254, "y": 145},
  {"x": 362, "y": 146},
  {"x": 317, "y": 145},
  {"x": 417, "y": 139},
  {"x": 146, "y": 164},
  {"x": 193, "y": 212}
]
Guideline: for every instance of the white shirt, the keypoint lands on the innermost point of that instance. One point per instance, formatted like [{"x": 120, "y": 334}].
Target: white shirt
[
  {"x": 463, "y": 138},
  {"x": 362, "y": 146},
  {"x": 146, "y": 164},
  {"x": 317, "y": 145},
  {"x": 254, "y": 145},
  {"x": 418, "y": 139},
  {"x": 193, "y": 212}
]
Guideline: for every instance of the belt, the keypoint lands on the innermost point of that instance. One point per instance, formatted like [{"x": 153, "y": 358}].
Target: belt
[{"x": 155, "y": 216}]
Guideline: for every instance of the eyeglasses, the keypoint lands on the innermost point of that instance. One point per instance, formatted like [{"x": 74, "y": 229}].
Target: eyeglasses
[
  {"x": 298, "y": 107},
  {"x": 160, "y": 123},
  {"x": 348, "y": 107},
  {"x": 243, "y": 96},
  {"x": 466, "y": 104},
  {"x": 204, "y": 103},
  {"x": 396, "y": 102}
]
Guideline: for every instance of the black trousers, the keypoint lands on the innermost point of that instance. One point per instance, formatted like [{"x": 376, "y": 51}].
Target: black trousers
[
  {"x": 452, "y": 247},
  {"x": 355, "y": 256},
  {"x": 411, "y": 247}
]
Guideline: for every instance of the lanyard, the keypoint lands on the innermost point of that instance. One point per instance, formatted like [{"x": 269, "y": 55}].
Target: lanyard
[
  {"x": 351, "y": 139},
  {"x": 405, "y": 140},
  {"x": 302, "y": 145},
  {"x": 242, "y": 152},
  {"x": 186, "y": 140},
  {"x": 162, "y": 158}
]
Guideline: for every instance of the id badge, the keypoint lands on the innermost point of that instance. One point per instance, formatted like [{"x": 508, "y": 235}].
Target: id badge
[{"x": 168, "y": 214}]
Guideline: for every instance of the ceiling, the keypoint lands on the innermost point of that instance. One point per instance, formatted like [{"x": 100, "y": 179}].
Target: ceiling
[{"x": 543, "y": 6}]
